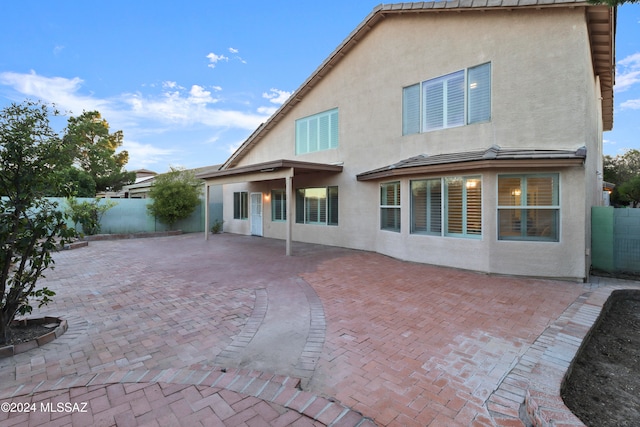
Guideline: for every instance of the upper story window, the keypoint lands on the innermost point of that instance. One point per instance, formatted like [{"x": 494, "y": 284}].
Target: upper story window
[
  {"x": 317, "y": 133},
  {"x": 459, "y": 98}
]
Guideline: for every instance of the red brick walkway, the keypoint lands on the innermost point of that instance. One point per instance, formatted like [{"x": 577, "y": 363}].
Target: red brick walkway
[{"x": 179, "y": 331}]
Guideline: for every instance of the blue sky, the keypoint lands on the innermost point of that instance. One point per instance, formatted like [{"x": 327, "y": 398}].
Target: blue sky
[{"x": 188, "y": 81}]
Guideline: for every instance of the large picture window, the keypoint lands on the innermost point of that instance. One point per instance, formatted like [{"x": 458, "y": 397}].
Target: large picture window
[
  {"x": 240, "y": 205},
  {"x": 528, "y": 207},
  {"x": 317, "y": 133},
  {"x": 317, "y": 205},
  {"x": 390, "y": 206},
  {"x": 456, "y": 99},
  {"x": 449, "y": 206}
]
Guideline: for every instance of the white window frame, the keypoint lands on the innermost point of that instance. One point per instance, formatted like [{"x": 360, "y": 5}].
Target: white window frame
[
  {"x": 414, "y": 99},
  {"x": 394, "y": 209}
]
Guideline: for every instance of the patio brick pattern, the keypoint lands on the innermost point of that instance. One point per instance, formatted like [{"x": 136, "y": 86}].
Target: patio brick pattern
[{"x": 161, "y": 332}]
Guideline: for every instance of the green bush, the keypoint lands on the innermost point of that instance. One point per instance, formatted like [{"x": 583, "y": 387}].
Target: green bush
[
  {"x": 88, "y": 214},
  {"x": 174, "y": 195}
]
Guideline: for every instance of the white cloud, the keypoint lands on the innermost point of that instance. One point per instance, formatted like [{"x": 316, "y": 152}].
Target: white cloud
[
  {"x": 214, "y": 59},
  {"x": 171, "y": 85},
  {"x": 632, "y": 104},
  {"x": 142, "y": 156},
  {"x": 232, "y": 148},
  {"x": 628, "y": 72},
  {"x": 277, "y": 96},
  {"x": 146, "y": 118},
  {"x": 198, "y": 95},
  {"x": 267, "y": 111},
  {"x": 233, "y": 50},
  {"x": 60, "y": 91}
]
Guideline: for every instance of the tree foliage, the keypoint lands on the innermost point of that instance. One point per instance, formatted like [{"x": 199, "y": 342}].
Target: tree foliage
[
  {"x": 620, "y": 170},
  {"x": 175, "y": 196},
  {"x": 95, "y": 151},
  {"x": 88, "y": 214},
  {"x": 30, "y": 225},
  {"x": 630, "y": 191}
]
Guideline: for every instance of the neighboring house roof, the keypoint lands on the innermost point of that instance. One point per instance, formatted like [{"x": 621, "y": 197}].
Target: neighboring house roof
[
  {"x": 145, "y": 172},
  {"x": 143, "y": 185},
  {"x": 482, "y": 159},
  {"x": 601, "y": 26}
]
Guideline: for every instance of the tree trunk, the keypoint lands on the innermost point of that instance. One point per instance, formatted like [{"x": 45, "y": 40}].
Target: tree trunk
[{"x": 4, "y": 329}]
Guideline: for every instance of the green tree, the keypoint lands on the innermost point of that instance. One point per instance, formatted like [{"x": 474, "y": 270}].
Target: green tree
[
  {"x": 95, "y": 151},
  {"x": 175, "y": 196},
  {"x": 77, "y": 183},
  {"x": 30, "y": 226},
  {"x": 620, "y": 170},
  {"x": 630, "y": 191}
]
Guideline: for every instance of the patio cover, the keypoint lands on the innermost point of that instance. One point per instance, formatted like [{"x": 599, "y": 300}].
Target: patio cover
[{"x": 275, "y": 169}]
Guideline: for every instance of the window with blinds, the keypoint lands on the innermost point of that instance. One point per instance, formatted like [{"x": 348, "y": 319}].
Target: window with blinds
[
  {"x": 390, "y": 206},
  {"x": 528, "y": 207},
  {"x": 317, "y": 206},
  {"x": 240, "y": 205},
  {"x": 317, "y": 133},
  {"x": 449, "y": 206},
  {"x": 459, "y": 98},
  {"x": 426, "y": 206},
  {"x": 479, "y": 94},
  {"x": 278, "y": 205}
]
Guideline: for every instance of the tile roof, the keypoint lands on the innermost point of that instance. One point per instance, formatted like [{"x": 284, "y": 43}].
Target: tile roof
[{"x": 490, "y": 157}]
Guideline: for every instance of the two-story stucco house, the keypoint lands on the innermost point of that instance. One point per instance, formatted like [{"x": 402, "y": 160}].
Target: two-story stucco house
[{"x": 464, "y": 133}]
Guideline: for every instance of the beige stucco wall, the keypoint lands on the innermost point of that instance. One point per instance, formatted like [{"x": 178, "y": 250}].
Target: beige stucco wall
[{"x": 544, "y": 96}]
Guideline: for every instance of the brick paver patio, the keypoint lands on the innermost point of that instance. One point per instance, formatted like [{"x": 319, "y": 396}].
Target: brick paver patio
[{"x": 182, "y": 331}]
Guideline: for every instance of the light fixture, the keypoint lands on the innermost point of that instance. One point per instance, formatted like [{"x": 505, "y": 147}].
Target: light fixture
[
  {"x": 516, "y": 192},
  {"x": 471, "y": 183}
]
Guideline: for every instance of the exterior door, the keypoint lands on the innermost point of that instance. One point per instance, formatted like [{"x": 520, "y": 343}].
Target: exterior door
[{"x": 256, "y": 214}]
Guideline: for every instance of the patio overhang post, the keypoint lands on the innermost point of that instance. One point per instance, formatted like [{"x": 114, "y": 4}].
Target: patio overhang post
[
  {"x": 206, "y": 210},
  {"x": 289, "y": 192}
]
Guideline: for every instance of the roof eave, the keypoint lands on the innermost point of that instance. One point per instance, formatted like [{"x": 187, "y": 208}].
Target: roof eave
[
  {"x": 470, "y": 166},
  {"x": 270, "y": 167}
]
